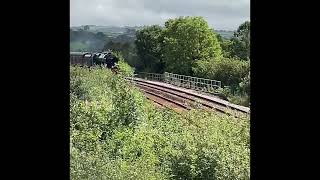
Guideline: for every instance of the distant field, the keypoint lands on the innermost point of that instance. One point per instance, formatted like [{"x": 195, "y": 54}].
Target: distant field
[
  {"x": 226, "y": 34},
  {"x": 113, "y": 31}
]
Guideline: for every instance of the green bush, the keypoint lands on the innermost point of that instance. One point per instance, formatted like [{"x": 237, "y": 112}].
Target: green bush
[
  {"x": 245, "y": 85},
  {"x": 116, "y": 133},
  {"x": 233, "y": 74},
  {"x": 229, "y": 71},
  {"x": 238, "y": 95},
  {"x": 124, "y": 68}
]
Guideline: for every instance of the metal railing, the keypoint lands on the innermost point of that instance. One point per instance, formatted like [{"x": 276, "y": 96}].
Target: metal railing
[
  {"x": 201, "y": 84},
  {"x": 150, "y": 76}
]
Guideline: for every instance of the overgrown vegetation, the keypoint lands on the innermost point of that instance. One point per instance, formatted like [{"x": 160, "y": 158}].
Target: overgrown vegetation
[
  {"x": 234, "y": 75},
  {"x": 115, "y": 133},
  {"x": 186, "y": 45},
  {"x": 125, "y": 69}
]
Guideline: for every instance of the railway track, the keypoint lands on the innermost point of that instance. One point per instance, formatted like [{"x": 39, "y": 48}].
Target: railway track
[{"x": 181, "y": 99}]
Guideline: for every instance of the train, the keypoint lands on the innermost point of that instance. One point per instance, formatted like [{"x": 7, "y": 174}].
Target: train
[{"x": 88, "y": 59}]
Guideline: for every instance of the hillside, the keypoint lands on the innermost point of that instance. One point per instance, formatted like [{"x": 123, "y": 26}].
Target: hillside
[
  {"x": 225, "y": 34},
  {"x": 113, "y": 31}
]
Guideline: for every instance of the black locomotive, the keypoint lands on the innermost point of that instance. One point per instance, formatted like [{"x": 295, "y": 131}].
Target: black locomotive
[{"x": 106, "y": 59}]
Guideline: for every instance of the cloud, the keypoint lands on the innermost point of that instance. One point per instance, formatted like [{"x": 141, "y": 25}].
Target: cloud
[{"x": 220, "y": 14}]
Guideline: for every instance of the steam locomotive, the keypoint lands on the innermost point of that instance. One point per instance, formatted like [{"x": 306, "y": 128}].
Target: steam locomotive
[{"x": 88, "y": 59}]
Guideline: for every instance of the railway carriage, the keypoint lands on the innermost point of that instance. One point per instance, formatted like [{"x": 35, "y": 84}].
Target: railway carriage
[{"x": 81, "y": 58}]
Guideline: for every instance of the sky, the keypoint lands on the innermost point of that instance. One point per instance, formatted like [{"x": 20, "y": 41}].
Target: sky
[{"x": 220, "y": 14}]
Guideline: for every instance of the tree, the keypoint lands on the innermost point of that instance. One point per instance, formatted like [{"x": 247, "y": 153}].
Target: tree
[
  {"x": 148, "y": 43},
  {"x": 245, "y": 85},
  {"x": 226, "y": 46},
  {"x": 100, "y": 36},
  {"x": 115, "y": 46},
  {"x": 187, "y": 40},
  {"x": 241, "y": 42}
]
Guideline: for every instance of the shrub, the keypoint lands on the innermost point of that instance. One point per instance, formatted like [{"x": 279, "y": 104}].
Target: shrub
[
  {"x": 115, "y": 133},
  {"x": 125, "y": 69},
  {"x": 245, "y": 85},
  {"x": 229, "y": 71}
]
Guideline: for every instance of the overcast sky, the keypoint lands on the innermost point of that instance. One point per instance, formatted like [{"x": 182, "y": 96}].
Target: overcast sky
[{"x": 220, "y": 14}]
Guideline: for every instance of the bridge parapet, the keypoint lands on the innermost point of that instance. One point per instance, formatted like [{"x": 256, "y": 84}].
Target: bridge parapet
[{"x": 201, "y": 84}]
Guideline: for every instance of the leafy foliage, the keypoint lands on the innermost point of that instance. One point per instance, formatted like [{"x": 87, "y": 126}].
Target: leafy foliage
[
  {"x": 245, "y": 84},
  {"x": 226, "y": 46},
  {"x": 233, "y": 73},
  {"x": 125, "y": 44},
  {"x": 229, "y": 71},
  {"x": 187, "y": 45},
  {"x": 115, "y": 133},
  {"x": 149, "y": 41},
  {"x": 241, "y": 42},
  {"x": 125, "y": 69},
  {"x": 187, "y": 40}
]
